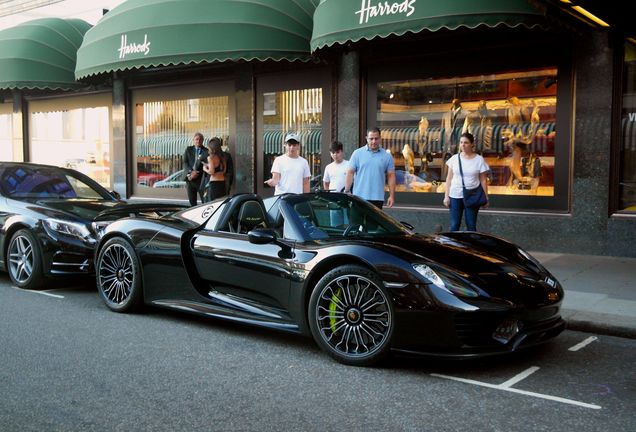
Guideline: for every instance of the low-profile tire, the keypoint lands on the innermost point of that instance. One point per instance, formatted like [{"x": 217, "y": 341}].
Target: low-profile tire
[
  {"x": 118, "y": 276},
  {"x": 25, "y": 260},
  {"x": 351, "y": 316}
]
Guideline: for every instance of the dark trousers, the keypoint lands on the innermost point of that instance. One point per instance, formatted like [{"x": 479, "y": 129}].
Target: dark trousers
[
  {"x": 194, "y": 192},
  {"x": 215, "y": 189},
  {"x": 470, "y": 213},
  {"x": 378, "y": 204}
]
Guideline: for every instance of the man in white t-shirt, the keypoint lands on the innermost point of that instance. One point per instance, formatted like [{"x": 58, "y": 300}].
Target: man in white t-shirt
[
  {"x": 290, "y": 171},
  {"x": 336, "y": 171}
]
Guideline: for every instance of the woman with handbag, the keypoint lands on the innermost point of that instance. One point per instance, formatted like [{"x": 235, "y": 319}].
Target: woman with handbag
[{"x": 466, "y": 184}]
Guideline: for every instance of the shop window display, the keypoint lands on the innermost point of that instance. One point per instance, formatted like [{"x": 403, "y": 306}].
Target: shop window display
[
  {"x": 512, "y": 116},
  {"x": 627, "y": 189},
  {"x": 298, "y": 111},
  {"x": 163, "y": 130},
  {"x": 6, "y": 138},
  {"x": 80, "y": 137}
]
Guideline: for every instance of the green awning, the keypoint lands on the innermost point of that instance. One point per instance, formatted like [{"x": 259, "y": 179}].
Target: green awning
[
  {"x": 151, "y": 33},
  {"x": 342, "y": 21},
  {"x": 40, "y": 54}
]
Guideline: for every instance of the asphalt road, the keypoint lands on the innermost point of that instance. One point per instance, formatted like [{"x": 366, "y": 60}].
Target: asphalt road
[{"x": 70, "y": 364}]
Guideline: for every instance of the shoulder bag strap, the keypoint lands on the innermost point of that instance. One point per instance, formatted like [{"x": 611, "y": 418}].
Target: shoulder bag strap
[{"x": 461, "y": 171}]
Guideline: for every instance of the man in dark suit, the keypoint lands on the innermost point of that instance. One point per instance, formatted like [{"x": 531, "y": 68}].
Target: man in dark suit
[{"x": 193, "y": 167}]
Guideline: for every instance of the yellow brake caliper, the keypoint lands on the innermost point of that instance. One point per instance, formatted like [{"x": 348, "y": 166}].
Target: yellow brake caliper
[{"x": 332, "y": 310}]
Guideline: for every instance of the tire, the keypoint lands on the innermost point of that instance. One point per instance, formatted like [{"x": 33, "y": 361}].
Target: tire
[
  {"x": 351, "y": 316},
  {"x": 118, "y": 276},
  {"x": 25, "y": 260}
]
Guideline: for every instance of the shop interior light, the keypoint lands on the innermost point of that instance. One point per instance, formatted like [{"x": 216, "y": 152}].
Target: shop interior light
[{"x": 590, "y": 16}]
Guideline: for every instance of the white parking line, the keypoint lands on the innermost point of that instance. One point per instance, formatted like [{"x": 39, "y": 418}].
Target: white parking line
[
  {"x": 39, "y": 292},
  {"x": 523, "y": 375},
  {"x": 523, "y": 392},
  {"x": 583, "y": 344}
]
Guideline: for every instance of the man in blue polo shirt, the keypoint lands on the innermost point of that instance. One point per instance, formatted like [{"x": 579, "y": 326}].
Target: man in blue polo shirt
[{"x": 372, "y": 166}]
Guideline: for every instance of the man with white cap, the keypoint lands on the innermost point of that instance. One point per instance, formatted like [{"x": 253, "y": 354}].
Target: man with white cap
[{"x": 290, "y": 171}]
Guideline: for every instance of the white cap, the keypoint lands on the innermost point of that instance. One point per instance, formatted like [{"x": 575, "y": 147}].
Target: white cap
[{"x": 292, "y": 137}]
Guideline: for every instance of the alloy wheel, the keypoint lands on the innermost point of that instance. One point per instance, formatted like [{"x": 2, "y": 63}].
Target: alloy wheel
[
  {"x": 353, "y": 316},
  {"x": 21, "y": 259},
  {"x": 116, "y": 273}
]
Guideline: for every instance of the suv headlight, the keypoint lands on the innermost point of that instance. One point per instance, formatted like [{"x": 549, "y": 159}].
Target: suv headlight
[
  {"x": 447, "y": 284},
  {"x": 68, "y": 229}
]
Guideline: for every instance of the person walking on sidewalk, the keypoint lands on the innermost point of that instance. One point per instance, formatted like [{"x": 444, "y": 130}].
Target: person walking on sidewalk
[
  {"x": 336, "y": 172},
  {"x": 372, "y": 167},
  {"x": 475, "y": 171},
  {"x": 290, "y": 171}
]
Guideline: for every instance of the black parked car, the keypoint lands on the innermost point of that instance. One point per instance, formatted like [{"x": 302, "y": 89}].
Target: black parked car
[
  {"x": 335, "y": 267},
  {"x": 50, "y": 219}
]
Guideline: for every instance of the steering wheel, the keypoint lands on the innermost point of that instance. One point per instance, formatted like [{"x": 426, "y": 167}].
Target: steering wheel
[{"x": 352, "y": 228}]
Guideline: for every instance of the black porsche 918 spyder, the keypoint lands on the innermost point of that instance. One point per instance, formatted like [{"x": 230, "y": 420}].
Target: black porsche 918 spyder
[
  {"x": 50, "y": 219},
  {"x": 333, "y": 266}
]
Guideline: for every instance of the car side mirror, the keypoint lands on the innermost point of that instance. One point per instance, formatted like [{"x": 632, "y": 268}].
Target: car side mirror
[
  {"x": 115, "y": 194},
  {"x": 262, "y": 236}
]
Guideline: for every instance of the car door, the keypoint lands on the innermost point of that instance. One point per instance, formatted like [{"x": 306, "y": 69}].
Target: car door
[{"x": 254, "y": 279}]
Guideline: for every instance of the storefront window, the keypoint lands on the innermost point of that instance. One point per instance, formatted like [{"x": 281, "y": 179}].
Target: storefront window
[
  {"x": 164, "y": 130},
  {"x": 6, "y": 142},
  {"x": 512, "y": 116},
  {"x": 298, "y": 111},
  {"x": 72, "y": 133},
  {"x": 627, "y": 189}
]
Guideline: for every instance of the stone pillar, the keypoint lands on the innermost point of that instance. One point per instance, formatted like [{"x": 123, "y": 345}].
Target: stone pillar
[
  {"x": 18, "y": 123},
  {"x": 348, "y": 102},
  {"x": 118, "y": 147},
  {"x": 242, "y": 146}
]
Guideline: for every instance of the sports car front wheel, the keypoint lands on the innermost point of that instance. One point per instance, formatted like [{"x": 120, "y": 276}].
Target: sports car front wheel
[
  {"x": 351, "y": 316},
  {"x": 118, "y": 276}
]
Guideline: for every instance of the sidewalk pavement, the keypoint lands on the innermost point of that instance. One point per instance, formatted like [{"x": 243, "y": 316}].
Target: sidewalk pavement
[{"x": 600, "y": 292}]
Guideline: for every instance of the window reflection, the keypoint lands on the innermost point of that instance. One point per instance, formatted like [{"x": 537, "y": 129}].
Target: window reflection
[
  {"x": 73, "y": 138},
  {"x": 627, "y": 188},
  {"x": 6, "y": 145},
  {"x": 297, "y": 111},
  {"x": 163, "y": 130},
  {"x": 512, "y": 116}
]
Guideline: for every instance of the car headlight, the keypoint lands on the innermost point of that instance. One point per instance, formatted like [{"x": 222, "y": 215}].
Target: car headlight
[
  {"x": 447, "y": 284},
  {"x": 69, "y": 229},
  {"x": 530, "y": 258}
]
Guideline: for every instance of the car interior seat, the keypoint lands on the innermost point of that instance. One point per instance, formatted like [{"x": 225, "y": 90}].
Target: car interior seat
[{"x": 251, "y": 215}]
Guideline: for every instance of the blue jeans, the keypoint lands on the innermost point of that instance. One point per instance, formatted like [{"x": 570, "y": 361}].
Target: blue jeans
[{"x": 456, "y": 209}]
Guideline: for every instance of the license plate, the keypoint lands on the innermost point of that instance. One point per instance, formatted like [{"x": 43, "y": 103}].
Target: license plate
[{"x": 506, "y": 330}]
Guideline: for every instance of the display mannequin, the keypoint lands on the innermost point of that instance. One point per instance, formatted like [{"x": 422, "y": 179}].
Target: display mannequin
[
  {"x": 516, "y": 112},
  {"x": 409, "y": 159},
  {"x": 451, "y": 130}
]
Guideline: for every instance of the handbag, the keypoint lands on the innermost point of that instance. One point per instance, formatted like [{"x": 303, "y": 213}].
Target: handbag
[{"x": 472, "y": 197}]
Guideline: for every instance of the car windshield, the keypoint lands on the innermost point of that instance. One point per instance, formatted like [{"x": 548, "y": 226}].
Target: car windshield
[
  {"x": 31, "y": 181},
  {"x": 334, "y": 215}
]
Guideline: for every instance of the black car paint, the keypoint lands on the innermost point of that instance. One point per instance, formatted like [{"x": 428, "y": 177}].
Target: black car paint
[
  {"x": 75, "y": 257},
  {"x": 187, "y": 266}
]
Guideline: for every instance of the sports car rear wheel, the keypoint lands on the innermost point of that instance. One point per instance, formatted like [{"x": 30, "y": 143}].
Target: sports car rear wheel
[
  {"x": 351, "y": 316},
  {"x": 25, "y": 260},
  {"x": 118, "y": 276}
]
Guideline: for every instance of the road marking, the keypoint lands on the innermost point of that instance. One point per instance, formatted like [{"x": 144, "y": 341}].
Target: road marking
[
  {"x": 39, "y": 292},
  {"x": 583, "y": 344},
  {"x": 523, "y": 375},
  {"x": 523, "y": 392}
]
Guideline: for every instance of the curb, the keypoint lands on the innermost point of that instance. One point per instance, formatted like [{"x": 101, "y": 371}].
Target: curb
[{"x": 600, "y": 328}]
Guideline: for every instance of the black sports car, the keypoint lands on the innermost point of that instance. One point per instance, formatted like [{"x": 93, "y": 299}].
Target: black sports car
[
  {"x": 333, "y": 266},
  {"x": 50, "y": 219}
]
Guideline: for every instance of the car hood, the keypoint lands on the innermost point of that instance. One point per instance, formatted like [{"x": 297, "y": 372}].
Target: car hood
[
  {"x": 499, "y": 269},
  {"x": 90, "y": 210}
]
